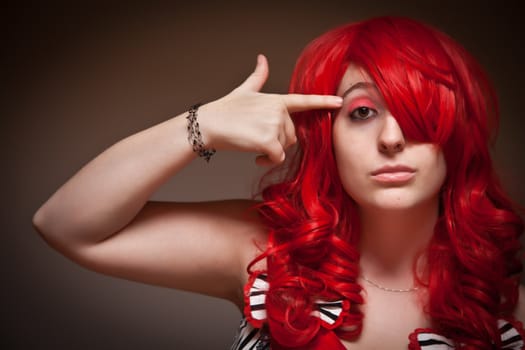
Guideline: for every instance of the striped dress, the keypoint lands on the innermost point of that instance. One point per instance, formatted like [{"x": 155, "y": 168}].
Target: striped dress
[{"x": 252, "y": 333}]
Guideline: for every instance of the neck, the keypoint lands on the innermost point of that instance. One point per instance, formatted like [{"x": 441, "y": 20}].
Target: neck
[{"x": 393, "y": 240}]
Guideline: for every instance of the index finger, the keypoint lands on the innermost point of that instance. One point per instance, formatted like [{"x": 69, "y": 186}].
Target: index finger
[{"x": 299, "y": 103}]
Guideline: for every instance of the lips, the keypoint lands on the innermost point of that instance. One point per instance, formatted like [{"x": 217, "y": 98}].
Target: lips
[
  {"x": 395, "y": 174},
  {"x": 393, "y": 169}
]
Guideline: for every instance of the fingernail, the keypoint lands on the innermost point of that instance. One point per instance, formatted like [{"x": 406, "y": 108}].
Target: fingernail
[
  {"x": 338, "y": 100},
  {"x": 260, "y": 58}
]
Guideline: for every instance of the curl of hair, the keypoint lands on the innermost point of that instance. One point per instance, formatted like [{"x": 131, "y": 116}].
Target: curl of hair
[{"x": 438, "y": 93}]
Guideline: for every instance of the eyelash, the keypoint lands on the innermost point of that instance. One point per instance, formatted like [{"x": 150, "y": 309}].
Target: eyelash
[{"x": 354, "y": 114}]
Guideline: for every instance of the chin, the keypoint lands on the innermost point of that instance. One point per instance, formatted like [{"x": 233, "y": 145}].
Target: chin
[
  {"x": 398, "y": 202},
  {"x": 392, "y": 201},
  {"x": 396, "y": 206}
]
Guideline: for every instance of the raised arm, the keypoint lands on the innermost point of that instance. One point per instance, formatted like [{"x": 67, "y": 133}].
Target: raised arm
[{"x": 101, "y": 218}]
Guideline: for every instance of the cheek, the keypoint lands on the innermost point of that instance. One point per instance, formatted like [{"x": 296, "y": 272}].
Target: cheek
[
  {"x": 441, "y": 168},
  {"x": 342, "y": 141},
  {"x": 344, "y": 154},
  {"x": 350, "y": 151},
  {"x": 349, "y": 168},
  {"x": 437, "y": 170}
]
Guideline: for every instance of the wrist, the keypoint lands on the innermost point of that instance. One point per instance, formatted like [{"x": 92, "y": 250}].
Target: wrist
[{"x": 196, "y": 138}]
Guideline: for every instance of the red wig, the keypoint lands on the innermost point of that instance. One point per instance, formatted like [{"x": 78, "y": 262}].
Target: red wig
[{"x": 438, "y": 93}]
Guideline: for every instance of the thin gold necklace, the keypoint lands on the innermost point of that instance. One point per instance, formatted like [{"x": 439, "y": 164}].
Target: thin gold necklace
[{"x": 386, "y": 289}]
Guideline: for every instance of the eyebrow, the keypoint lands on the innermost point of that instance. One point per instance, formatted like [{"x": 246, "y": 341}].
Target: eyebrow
[{"x": 359, "y": 85}]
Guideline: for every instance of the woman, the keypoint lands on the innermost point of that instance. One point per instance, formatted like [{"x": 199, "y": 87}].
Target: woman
[{"x": 389, "y": 229}]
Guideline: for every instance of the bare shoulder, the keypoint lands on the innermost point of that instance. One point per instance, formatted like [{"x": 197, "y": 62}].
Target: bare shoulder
[{"x": 520, "y": 309}]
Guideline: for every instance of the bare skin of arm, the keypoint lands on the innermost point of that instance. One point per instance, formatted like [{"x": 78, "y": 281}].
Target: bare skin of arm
[{"x": 102, "y": 218}]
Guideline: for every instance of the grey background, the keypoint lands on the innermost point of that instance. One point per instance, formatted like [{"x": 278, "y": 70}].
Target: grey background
[{"x": 81, "y": 75}]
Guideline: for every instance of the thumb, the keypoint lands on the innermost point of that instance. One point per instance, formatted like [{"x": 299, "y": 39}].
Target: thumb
[{"x": 259, "y": 76}]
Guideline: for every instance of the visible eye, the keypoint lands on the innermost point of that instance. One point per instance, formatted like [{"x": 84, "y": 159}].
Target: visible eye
[{"x": 362, "y": 113}]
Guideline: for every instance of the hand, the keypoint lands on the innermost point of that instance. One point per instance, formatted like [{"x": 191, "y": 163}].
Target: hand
[{"x": 248, "y": 120}]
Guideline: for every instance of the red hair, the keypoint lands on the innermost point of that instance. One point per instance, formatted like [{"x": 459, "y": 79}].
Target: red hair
[{"x": 438, "y": 93}]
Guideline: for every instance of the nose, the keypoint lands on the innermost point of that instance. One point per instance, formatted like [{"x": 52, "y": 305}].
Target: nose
[{"x": 391, "y": 139}]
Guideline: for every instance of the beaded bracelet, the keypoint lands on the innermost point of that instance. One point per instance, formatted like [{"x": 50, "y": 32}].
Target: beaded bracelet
[{"x": 194, "y": 134}]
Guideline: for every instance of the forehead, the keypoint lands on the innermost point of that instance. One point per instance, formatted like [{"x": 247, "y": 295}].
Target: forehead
[{"x": 353, "y": 75}]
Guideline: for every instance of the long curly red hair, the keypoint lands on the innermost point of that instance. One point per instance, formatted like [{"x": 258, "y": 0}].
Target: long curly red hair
[{"x": 438, "y": 93}]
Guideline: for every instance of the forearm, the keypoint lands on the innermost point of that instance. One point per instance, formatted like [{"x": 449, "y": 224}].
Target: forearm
[{"x": 108, "y": 192}]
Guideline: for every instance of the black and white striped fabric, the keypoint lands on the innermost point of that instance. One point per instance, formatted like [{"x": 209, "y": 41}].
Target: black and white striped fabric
[
  {"x": 257, "y": 298},
  {"x": 327, "y": 311},
  {"x": 250, "y": 338},
  {"x": 510, "y": 337},
  {"x": 432, "y": 341}
]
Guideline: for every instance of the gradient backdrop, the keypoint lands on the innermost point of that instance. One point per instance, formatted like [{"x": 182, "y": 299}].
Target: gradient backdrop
[{"x": 82, "y": 75}]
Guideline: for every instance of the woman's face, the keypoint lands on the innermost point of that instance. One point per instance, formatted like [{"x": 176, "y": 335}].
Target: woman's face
[{"x": 378, "y": 167}]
